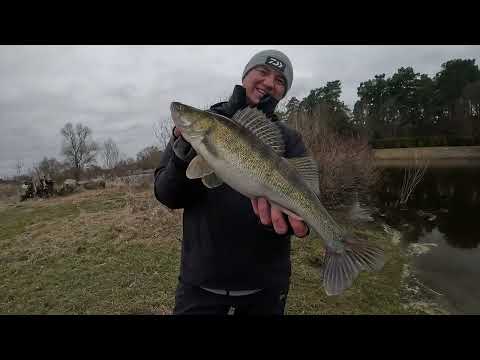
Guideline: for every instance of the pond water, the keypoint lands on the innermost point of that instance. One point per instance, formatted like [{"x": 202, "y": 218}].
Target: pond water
[{"x": 443, "y": 215}]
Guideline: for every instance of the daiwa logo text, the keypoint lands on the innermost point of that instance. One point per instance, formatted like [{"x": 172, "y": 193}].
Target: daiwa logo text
[{"x": 275, "y": 63}]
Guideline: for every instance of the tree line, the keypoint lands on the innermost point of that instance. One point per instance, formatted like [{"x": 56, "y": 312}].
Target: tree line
[
  {"x": 86, "y": 158},
  {"x": 407, "y": 106}
]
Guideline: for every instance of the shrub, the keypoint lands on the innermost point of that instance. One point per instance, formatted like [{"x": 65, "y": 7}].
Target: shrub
[{"x": 346, "y": 163}]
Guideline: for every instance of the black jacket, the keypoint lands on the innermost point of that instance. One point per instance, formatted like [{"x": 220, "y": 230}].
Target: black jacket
[{"x": 224, "y": 245}]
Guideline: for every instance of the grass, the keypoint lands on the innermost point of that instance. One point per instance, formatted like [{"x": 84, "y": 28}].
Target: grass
[
  {"x": 371, "y": 293},
  {"x": 87, "y": 254},
  {"x": 116, "y": 251}
]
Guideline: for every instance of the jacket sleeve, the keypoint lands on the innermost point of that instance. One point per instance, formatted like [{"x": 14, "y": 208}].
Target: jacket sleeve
[
  {"x": 294, "y": 145},
  {"x": 172, "y": 188}
]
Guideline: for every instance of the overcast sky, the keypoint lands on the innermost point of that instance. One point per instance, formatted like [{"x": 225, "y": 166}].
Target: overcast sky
[{"x": 122, "y": 91}]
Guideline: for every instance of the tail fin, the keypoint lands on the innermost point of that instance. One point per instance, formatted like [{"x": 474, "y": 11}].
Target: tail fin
[{"x": 341, "y": 268}]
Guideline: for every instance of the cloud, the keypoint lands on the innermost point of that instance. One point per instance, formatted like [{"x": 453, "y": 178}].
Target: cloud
[{"x": 121, "y": 91}]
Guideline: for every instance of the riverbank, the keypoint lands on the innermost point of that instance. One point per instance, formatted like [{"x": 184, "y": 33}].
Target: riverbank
[
  {"x": 430, "y": 153},
  {"x": 441, "y": 216},
  {"x": 457, "y": 156}
]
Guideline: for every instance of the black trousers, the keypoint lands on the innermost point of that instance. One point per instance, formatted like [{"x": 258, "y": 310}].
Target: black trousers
[{"x": 193, "y": 300}]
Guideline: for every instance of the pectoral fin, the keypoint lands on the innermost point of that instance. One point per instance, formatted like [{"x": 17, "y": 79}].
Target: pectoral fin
[
  {"x": 211, "y": 181},
  {"x": 198, "y": 168}
]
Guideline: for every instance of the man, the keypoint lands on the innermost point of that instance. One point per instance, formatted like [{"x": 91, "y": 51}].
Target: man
[{"x": 235, "y": 251}]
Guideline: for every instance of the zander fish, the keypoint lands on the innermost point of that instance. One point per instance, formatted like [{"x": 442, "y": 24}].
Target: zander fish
[{"x": 246, "y": 152}]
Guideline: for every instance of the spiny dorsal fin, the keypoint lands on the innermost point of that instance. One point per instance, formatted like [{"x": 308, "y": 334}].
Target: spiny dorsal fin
[
  {"x": 198, "y": 168},
  {"x": 257, "y": 122},
  {"x": 308, "y": 169},
  {"x": 211, "y": 181}
]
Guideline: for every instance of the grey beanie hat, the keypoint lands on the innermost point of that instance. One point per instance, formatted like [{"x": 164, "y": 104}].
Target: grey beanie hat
[{"x": 275, "y": 59}]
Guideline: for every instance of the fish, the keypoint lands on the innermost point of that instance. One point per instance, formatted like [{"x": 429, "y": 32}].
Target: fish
[{"x": 246, "y": 152}]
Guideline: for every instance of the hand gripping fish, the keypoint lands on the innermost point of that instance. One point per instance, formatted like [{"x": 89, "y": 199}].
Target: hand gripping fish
[{"x": 246, "y": 152}]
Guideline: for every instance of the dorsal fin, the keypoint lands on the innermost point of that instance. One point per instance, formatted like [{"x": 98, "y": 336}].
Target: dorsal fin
[
  {"x": 308, "y": 170},
  {"x": 256, "y": 121}
]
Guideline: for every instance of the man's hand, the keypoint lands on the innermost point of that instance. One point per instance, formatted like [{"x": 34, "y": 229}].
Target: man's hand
[
  {"x": 177, "y": 132},
  {"x": 269, "y": 215}
]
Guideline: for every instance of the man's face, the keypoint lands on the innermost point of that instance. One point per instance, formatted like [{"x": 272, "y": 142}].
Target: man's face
[{"x": 263, "y": 80}]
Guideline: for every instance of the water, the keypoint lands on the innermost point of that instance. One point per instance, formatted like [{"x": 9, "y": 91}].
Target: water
[{"x": 443, "y": 213}]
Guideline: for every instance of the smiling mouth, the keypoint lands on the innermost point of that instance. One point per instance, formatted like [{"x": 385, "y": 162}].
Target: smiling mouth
[{"x": 260, "y": 91}]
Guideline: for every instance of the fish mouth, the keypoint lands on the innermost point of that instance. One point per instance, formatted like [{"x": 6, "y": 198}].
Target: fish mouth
[
  {"x": 177, "y": 110},
  {"x": 177, "y": 107}
]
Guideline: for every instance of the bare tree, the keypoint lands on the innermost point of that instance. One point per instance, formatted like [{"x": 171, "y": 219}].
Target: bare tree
[
  {"x": 51, "y": 168},
  {"x": 78, "y": 147},
  {"x": 149, "y": 157},
  {"x": 346, "y": 163},
  {"x": 36, "y": 174},
  {"x": 110, "y": 154},
  {"x": 163, "y": 132},
  {"x": 19, "y": 167}
]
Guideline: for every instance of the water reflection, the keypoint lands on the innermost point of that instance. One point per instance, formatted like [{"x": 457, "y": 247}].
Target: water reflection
[
  {"x": 443, "y": 210},
  {"x": 447, "y": 199}
]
